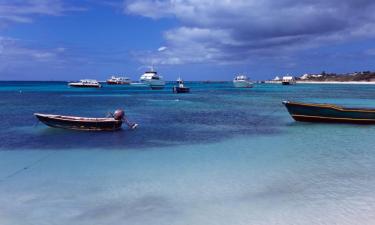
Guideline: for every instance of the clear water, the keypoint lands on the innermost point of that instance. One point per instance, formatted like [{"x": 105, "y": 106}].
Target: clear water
[{"x": 216, "y": 156}]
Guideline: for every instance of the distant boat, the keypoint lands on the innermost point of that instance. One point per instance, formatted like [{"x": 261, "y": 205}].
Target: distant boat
[
  {"x": 152, "y": 79},
  {"x": 241, "y": 81},
  {"x": 288, "y": 80},
  {"x": 327, "y": 113},
  {"x": 87, "y": 83},
  {"x": 181, "y": 87},
  {"x": 118, "y": 80},
  {"x": 86, "y": 123}
]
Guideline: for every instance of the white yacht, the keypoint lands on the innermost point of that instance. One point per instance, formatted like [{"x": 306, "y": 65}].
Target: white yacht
[
  {"x": 87, "y": 83},
  {"x": 241, "y": 81},
  {"x": 118, "y": 80},
  {"x": 152, "y": 79}
]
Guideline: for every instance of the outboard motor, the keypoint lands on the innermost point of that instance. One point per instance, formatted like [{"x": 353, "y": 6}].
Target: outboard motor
[{"x": 119, "y": 114}]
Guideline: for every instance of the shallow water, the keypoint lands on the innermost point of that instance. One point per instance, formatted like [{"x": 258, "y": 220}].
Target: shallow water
[{"x": 216, "y": 156}]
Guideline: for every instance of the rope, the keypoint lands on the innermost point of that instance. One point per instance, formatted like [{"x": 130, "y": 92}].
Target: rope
[
  {"x": 264, "y": 118},
  {"x": 24, "y": 168},
  {"x": 36, "y": 123},
  {"x": 130, "y": 124}
]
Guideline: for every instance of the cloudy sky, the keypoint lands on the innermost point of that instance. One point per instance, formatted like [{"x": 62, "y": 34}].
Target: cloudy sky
[{"x": 195, "y": 39}]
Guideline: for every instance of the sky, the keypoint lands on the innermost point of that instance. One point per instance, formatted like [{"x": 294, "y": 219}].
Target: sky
[{"x": 194, "y": 39}]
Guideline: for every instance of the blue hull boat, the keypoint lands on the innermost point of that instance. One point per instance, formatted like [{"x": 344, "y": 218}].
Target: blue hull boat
[{"x": 328, "y": 113}]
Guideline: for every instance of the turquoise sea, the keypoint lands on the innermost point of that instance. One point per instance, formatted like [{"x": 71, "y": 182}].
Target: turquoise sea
[{"x": 216, "y": 156}]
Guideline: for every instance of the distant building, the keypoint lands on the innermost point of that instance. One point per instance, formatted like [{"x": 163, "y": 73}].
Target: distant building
[
  {"x": 288, "y": 78},
  {"x": 307, "y": 76}
]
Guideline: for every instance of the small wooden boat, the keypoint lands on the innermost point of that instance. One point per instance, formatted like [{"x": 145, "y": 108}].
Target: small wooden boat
[
  {"x": 181, "y": 87},
  {"x": 328, "y": 113},
  {"x": 86, "y": 123}
]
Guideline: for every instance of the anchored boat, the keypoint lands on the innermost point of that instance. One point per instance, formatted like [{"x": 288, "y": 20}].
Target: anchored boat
[
  {"x": 242, "y": 81},
  {"x": 118, "y": 80},
  {"x": 87, "y": 83},
  {"x": 328, "y": 113},
  {"x": 86, "y": 123},
  {"x": 152, "y": 79},
  {"x": 181, "y": 87}
]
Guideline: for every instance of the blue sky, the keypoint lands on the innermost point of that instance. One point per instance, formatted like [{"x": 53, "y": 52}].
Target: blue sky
[{"x": 195, "y": 39}]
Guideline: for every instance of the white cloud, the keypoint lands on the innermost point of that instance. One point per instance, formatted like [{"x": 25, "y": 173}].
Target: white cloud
[
  {"x": 370, "y": 52},
  {"x": 23, "y": 11},
  {"x": 14, "y": 54},
  {"x": 60, "y": 49},
  {"x": 226, "y": 31},
  {"x": 162, "y": 48},
  {"x": 152, "y": 9}
]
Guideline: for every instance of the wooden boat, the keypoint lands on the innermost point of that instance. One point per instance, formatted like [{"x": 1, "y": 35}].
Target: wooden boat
[
  {"x": 328, "y": 113},
  {"x": 86, "y": 123},
  {"x": 181, "y": 87}
]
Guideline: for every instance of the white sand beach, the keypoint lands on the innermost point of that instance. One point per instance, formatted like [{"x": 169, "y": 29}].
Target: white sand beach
[{"x": 335, "y": 82}]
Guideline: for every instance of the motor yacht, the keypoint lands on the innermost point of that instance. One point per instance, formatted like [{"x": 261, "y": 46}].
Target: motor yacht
[
  {"x": 86, "y": 83},
  {"x": 152, "y": 79},
  {"x": 242, "y": 81}
]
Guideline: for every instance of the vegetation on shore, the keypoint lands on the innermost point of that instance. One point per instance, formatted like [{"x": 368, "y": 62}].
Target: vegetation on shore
[{"x": 357, "y": 76}]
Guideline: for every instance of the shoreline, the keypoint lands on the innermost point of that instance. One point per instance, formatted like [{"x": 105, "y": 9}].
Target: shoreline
[
  {"x": 336, "y": 82},
  {"x": 326, "y": 82}
]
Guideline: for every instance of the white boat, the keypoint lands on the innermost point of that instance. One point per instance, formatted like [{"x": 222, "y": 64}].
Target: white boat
[
  {"x": 288, "y": 80},
  {"x": 118, "y": 80},
  {"x": 152, "y": 79},
  {"x": 139, "y": 84},
  {"x": 241, "y": 81},
  {"x": 87, "y": 83}
]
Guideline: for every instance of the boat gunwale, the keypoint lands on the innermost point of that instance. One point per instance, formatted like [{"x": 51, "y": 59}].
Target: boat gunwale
[
  {"x": 332, "y": 118},
  {"x": 75, "y": 118},
  {"x": 331, "y": 106},
  {"x": 84, "y": 85},
  {"x": 84, "y": 129}
]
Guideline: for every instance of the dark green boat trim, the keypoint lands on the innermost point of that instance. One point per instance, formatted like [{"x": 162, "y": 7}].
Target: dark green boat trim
[
  {"x": 328, "y": 113},
  {"x": 304, "y": 118}
]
